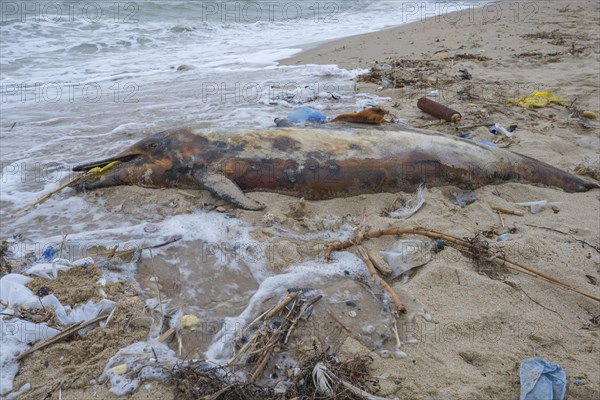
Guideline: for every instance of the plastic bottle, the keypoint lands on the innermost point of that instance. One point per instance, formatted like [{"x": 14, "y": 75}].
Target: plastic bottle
[
  {"x": 408, "y": 254},
  {"x": 497, "y": 128}
]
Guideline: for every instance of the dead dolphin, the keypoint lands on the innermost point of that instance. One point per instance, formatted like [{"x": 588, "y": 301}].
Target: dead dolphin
[{"x": 318, "y": 164}]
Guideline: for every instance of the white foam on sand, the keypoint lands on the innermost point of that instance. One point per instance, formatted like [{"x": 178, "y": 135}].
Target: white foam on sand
[
  {"x": 300, "y": 275},
  {"x": 18, "y": 335},
  {"x": 137, "y": 363}
]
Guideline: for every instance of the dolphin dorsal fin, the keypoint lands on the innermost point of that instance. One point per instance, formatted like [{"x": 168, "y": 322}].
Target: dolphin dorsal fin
[{"x": 226, "y": 189}]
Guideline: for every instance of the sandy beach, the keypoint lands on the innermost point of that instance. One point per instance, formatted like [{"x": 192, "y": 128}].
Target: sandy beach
[
  {"x": 510, "y": 50},
  {"x": 483, "y": 324}
]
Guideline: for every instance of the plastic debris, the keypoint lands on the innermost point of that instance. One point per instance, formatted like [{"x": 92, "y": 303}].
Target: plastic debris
[
  {"x": 143, "y": 361},
  {"x": 589, "y": 142},
  {"x": 306, "y": 115},
  {"x": 539, "y": 99},
  {"x": 408, "y": 254},
  {"x": 283, "y": 123},
  {"x": 467, "y": 135},
  {"x": 438, "y": 110},
  {"x": 370, "y": 116},
  {"x": 542, "y": 380},
  {"x": 504, "y": 237},
  {"x": 325, "y": 381},
  {"x": 50, "y": 270},
  {"x": 13, "y": 292},
  {"x": 589, "y": 114},
  {"x": 18, "y": 393},
  {"x": 84, "y": 312},
  {"x": 119, "y": 369},
  {"x": 497, "y": 128},
  {"x": 411, "y": 206},
  {"x": 190, "y": 321},
  {"x": 465, "y": 74},
  {"x": 537, "y": 206},
  {"x": 48, "y": 254},
  {"x": 463, "y": 199},
  {"x": 47, "y": 270},
  {"x": 16, "y": 336}
]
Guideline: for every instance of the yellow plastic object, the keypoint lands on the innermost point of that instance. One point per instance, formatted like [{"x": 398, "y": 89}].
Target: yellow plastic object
[
  {"x": 119, "y": 369},
  {"x": 99, "y": 170},
  {"x": 590, "y": 114},
  {"x": 190, "y": 321},
  {"x": 539, "y": 99}
]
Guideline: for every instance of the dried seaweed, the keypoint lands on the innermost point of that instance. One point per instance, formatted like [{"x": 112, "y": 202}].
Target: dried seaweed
[{"x": 196, "y": 380}]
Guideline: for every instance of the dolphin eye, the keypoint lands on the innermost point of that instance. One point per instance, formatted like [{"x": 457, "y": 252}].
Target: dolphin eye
[{"x": 152, "y": 145}]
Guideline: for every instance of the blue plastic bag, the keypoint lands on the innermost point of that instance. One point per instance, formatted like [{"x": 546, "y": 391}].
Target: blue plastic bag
[
  {"x": 48, "y": 253},
  {"x": 306, "y": 114},
  {"x": 542, "y": 380}
]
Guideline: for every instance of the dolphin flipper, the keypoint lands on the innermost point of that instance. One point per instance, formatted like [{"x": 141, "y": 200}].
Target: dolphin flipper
[{"x": 224, "y": 188}]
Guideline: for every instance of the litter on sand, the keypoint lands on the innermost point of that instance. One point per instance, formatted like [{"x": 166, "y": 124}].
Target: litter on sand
[
  {"x": 411, "y": 206},
  {"x": 542, "y": 380},
  {"x": 463, "y": 199},
  {"x": 538, "y": 100},
  {"x": 537, "y": 206},
  {"x": 408, "y": 254}
]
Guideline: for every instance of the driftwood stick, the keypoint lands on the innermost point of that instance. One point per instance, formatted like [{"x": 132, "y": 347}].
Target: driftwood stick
[
  {"x": 462, "y": 245},
  {"x": 506, "y": 210},
  {"x": 46, "y": 197},
  {"x": 379, "y": 263},
  {"x": 264, "y": 358},
  {"x": 305, "y": 307},
  {"x": 67, "y": 332},
  {"x": 394, "y": 232},
  {"x": 551, "y": 279},
  {"x": 501, "y": 218},
  {"x": 277, "y": 309},
  {"x": 167, "y": 334},
  {"x": 363, "y": 254}
]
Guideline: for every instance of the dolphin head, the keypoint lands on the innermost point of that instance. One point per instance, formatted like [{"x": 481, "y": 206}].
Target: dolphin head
[{"x": 156, "y": 161}]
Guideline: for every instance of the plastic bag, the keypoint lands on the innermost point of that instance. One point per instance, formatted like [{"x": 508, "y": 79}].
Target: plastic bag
[
  {"x": 539, "y": 99},
  {"x": 306, "y": 115},
  {"x": 542, "y": 380}
]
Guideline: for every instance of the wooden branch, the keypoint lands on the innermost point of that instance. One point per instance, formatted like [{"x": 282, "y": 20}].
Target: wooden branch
[
  {"x": 46, "y": 197},
  {"x": 167, "y": 334},
  {"x": 363, "y": 254},
  {"x": 463, "y": 246},
  {"x": 305, "y": 307},
  {"x": 67, "y": 332},
  {"x": 506, "y": 210},
  {"x": 379, "y": 263}
]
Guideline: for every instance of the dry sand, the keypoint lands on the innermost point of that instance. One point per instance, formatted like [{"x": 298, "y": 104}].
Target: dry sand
[{"x": 482, "y": 328}]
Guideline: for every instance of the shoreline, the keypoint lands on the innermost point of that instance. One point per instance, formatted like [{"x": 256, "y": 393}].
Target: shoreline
[{"x": 315, "y": 52}]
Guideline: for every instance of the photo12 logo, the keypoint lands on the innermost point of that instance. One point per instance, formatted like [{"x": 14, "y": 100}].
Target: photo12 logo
[
  {"x": 68, "y": 11},
  {"x": 471, "y": 11},
  {"x": 269, "y": 11},
  {"x": 53, "y": 92},
  {"x": 258, "y": 92}
]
